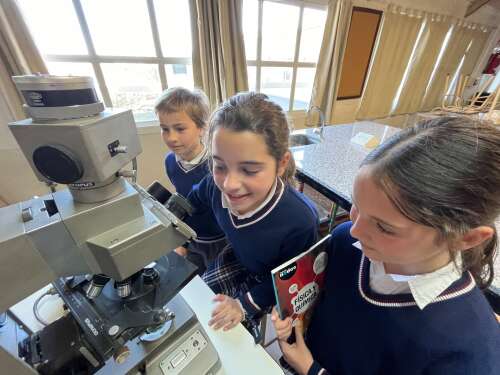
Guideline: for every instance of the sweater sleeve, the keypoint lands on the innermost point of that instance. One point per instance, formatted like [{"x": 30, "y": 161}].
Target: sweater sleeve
[
  {"x": 316, "y": 369},
  {"x": 200, "y": 198},
  {"x": 168, "y": 159},
  {"x": 261, "y": 296}
]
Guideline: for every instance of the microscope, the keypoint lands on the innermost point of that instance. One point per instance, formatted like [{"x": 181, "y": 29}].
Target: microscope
[{"x": 104, "y": 243}]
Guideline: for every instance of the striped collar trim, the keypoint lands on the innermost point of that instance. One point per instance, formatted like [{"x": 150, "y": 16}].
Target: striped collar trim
[
  {"x": 262, "y": 213},
  {"x": 200, "y": 160},
  {"x": 460, "y": 287}
]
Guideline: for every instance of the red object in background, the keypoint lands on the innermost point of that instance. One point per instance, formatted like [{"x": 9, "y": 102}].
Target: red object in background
[{"x": 493, "y": 63}]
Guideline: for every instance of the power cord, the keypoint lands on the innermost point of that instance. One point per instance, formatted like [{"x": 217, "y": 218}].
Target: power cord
[{"x": 52, "y": 291}]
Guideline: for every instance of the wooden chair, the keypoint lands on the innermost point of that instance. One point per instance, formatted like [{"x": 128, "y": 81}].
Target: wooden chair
[
  {"x": 478, "y": 103},
  {"x": 490, "y": 115}
]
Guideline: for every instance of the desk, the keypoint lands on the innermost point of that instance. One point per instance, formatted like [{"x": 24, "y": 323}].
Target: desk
[
  {"x": 236, "y": 348},
  {"x": 330, "y": 166}
]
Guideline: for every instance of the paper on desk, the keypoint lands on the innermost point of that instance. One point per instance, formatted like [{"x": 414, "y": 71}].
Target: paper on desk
[{"x": 366, "y": 140}]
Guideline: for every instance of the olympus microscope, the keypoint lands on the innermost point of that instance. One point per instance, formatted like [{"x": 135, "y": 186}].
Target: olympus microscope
[{"x": 104, "y": 243}]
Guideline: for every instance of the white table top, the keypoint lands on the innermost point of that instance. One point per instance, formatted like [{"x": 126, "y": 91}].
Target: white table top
[{"x": 237, "y": 351}]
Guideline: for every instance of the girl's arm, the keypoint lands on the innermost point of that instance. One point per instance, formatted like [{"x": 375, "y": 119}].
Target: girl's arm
[{"x": 200, "y": 198}]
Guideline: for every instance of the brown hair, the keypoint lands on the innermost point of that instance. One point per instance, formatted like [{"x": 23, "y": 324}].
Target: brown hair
[
  {"x": 254, "y": 112},
  {"x": 445, "y": 173},
  {"x": 179, "y": 99}
]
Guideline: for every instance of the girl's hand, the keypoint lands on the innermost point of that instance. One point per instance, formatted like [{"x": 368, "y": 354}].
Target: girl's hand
[
  {"x": 297, "y": 354},
  {"x": 283, "y": 327},
  {"x": 181, "y": 250},
  {"x": 227, "y": 314}
]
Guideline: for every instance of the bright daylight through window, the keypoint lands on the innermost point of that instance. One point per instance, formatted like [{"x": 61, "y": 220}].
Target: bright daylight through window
[
  {"x": 282, "y": 43},
  {"x": 132, "y": 58}
]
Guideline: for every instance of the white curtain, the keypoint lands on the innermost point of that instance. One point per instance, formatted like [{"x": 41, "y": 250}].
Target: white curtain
[
  {"x": 425, "y": 56},
  {"x": 329, "y": 67},
  {"x": 461, "y": 37},
  {"x": 219, "y": 64},
  {"x": 400, "y": 28}
]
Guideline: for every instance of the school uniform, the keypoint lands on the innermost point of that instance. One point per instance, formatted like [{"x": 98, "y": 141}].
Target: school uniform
[
  {"x": 283, "y": 226},
  {"x": 369, "y": 322},
  {"x": 210, "y": 239}
]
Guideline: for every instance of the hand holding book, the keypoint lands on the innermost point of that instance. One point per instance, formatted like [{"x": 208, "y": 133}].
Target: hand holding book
[{"x": 298, "y": 282}]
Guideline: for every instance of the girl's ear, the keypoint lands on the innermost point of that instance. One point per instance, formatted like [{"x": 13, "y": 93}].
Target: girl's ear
[
  {"x": 283, "y": 163},
  {"x": 474, "y": 237},
  {"x": 203, "y": 133}
]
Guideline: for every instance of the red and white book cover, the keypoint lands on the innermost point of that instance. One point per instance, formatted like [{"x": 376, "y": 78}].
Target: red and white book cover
[{"x": 298, "y": 282}]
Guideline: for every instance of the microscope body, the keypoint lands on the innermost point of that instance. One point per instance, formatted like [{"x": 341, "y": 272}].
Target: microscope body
[{"x": 106, "y": 246}]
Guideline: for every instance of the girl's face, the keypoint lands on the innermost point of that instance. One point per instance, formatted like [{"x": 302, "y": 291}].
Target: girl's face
[
  {"x": 243, "y": 168},
  {"x": 181, "y": 134},
  {"x": 386, "y": 235}
]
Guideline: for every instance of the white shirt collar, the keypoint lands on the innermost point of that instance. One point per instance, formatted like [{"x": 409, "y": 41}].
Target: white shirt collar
[
  {"x": 270, "y": 195},
  {"x": 425, "y": 288},
  {"x": 190, "y": 164}
]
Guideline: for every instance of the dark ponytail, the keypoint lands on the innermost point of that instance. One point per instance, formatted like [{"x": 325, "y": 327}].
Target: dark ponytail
[{"x": 445, "y": 173}]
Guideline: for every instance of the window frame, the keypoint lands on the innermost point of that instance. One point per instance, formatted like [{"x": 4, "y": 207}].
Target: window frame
[
  {"x": 96, "y": 60},
  {"x": 258, "y": 63}
]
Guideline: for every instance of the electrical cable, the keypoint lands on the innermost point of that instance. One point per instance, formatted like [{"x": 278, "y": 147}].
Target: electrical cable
[{"x": 36, "y": 313}]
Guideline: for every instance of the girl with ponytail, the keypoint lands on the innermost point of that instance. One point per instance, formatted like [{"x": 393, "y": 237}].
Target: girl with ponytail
[
  {"x": 404, "y": 279},
  {"x": 265, "y": 220}
]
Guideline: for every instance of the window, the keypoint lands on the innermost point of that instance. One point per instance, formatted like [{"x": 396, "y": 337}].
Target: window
[
  {"x": 282, "y": 43},
  {"x": 133, "y": 49},
  {"x": 359, "y": 48}
]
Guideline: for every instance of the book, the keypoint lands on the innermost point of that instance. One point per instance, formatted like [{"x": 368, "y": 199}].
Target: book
[{"x": 299, "y": 281}]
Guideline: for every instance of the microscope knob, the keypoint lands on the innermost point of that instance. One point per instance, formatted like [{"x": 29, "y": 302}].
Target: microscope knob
[
  {"x": 121, "y": 354},
  {"x": 150, "y": 275}
]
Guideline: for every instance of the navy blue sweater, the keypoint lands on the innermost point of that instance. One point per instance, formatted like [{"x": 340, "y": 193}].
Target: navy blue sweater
[
  {"x": 284, "y": 228},
  {"x": 355, "y": 331},
  {"x": 184, "y": 180}
]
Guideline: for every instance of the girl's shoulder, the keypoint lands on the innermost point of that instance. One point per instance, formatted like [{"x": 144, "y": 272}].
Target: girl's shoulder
[
  {"x": 170, "y": 159},
  {"x": 300, "y": 203},
  {"x": 341, "y": 235}
]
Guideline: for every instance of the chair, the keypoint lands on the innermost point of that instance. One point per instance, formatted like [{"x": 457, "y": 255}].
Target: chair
[{"x": 478, "y": 103}]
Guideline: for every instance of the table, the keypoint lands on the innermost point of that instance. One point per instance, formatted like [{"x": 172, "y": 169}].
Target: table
[
  {"x": 330, "y": 166},
  {"x": 237, "y": 350}
]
